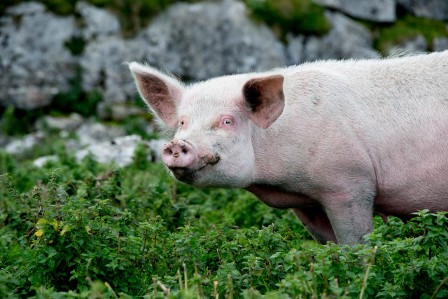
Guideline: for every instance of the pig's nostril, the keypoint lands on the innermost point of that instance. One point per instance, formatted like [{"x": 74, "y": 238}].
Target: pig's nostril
[{"x": 184, "y": 151}]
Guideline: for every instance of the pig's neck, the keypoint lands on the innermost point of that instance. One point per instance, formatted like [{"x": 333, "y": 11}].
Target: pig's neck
[{"x": 275, "y": 161}]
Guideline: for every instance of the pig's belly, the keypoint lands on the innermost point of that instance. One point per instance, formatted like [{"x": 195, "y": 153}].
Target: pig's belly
[{"x": 412, "y": 189}]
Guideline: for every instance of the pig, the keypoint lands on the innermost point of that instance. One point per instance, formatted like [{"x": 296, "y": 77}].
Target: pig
[{"x": 335, "y": 141}]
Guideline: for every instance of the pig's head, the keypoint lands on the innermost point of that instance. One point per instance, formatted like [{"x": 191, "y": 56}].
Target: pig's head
[{"x": 214, "y": 121}]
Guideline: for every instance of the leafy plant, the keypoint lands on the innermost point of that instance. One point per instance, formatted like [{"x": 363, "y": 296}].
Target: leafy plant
[
  {"x": 295, "y": 16},
  {"x": 85, "y": 229},
  {"x": 409, "y": 27}
]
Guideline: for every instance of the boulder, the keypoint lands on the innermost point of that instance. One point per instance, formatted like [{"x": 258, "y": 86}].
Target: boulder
[
  {"x": 120, "y": 150},
  {"x": 92, "y": 132},
  {"x": 411, "y": 46},
  {"x": 67, "y": 123},
  {"x": 433, "y": 9},
  {"x": 35, "y": 63},
  {"x": 202, "y": 40},
  {"x": 42, "y": 161},
  {"x": 17, "y": 146},
  {"x": 346, "y": 39},
  {"x": 376, "y": 11},
  {"x": 440, "y": 44},
  {"x": 97, "y": 22},
  {"x": 104, "y": 56},
  {"x": 194, "y": 41}
]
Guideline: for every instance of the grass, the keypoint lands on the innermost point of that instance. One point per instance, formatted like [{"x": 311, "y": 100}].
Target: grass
[
  {"x": 409, "y": 27},
  {"x": 290, "y": 16},
  {"x": 86, "y": 230}
]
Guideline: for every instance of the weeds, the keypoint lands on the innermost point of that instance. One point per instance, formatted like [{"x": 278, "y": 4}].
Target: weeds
[{"x": 84, "y": 230}]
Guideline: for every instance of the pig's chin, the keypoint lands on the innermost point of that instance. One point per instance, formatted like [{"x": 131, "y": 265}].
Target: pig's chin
[
  {"x": 196, "y": 177},
  {"x": 185, "y": 175},
  {"x": 205, "y": 177}
]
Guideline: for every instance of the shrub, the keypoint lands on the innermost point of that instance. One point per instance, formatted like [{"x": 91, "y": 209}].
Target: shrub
[
  {"x": 84, "y": 230},
  {"x": 295, "y": 16},
  {"x": 409, "y": 27}
]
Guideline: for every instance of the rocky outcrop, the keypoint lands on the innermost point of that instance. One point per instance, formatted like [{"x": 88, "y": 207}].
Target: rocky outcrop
[
  {"x": 104, "y": 56},
  {"x": 377, "y": 11},
  {"x": 119, "y": 151},
  {"x": 34, "y": 62},
  {"x": 414, "y": 45},
  {"x": 82, "y": 137},
  {"x": 433, "y": 9},
  {"x": 440, "y": 44},
  {"x": 198, "y": 41},
  {"x": 192, "y": 40},
  {"x": 337, "y": 44}
]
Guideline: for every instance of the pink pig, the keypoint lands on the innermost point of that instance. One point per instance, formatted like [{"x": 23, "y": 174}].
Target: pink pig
[{"x": 335, "y": 141}]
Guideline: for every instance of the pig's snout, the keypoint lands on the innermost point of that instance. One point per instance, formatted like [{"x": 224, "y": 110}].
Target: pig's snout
[{"x": 179, "y": 154}]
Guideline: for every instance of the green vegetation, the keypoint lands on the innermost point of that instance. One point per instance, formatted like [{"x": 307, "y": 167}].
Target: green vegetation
[
  {"x": 294, "y": 16},
  {"x": 85, "y": 230},
  {"x": 75, "y": 99},
  {"x": 409, "y": 27},
  {"x": 75, "y": 45},
  {"x": 15, "y": 121}
]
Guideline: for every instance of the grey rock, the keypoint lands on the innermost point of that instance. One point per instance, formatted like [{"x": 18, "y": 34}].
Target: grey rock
[
  {"x": 377, "y": 10},
  {"x": 440, "y": 44},
  {"x": 119, "y": 112},
  {"x": 433, "y": 9},
  {"x": 93, "y": 132},
  {"x": 195, "y": 41},
  {"x": 34, "y": 63},
  {"x": 104, "y": 56},
  {"x": 156, "y": 146},
  {"x": 411, "y": 46},
  {"x": 104, "y": 69},
  {"x": 202, "y": 40},
  {"x": 66, "y": 123},
  {"x": 42, "y": 161},
  {"x": 97, "y": 22},
  {"x": 21, "y": 145},
  {"x": 119, "y": 151},
  {"x": 346, "y": 39},
  {"x": 26, "y": 9}
]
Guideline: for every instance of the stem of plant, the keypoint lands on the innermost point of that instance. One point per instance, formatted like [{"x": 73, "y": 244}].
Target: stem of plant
[
  {"x": 438, "y": 287},
  {"x": 366, "y": 276}
]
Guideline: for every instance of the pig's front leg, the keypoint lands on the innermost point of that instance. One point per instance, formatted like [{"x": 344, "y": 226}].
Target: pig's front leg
[{"x": 350, "y": 215}]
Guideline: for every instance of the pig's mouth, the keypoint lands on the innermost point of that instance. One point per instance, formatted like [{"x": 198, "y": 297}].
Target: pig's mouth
[{"x": 189, "y": 174}]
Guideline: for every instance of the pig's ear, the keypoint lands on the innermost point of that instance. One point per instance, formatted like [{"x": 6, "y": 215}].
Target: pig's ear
[
  {"x": 264, "y": 99},
  {"x": 161, "y": 92}
]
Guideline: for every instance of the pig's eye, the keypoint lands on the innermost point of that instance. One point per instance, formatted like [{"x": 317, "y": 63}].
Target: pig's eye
[
  {"x": 227, "y": 121},
  {"x": 182, "y": 123}
]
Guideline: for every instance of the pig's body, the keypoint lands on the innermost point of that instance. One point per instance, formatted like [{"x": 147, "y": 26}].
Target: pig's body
[{"x": 348, "y": 138}]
